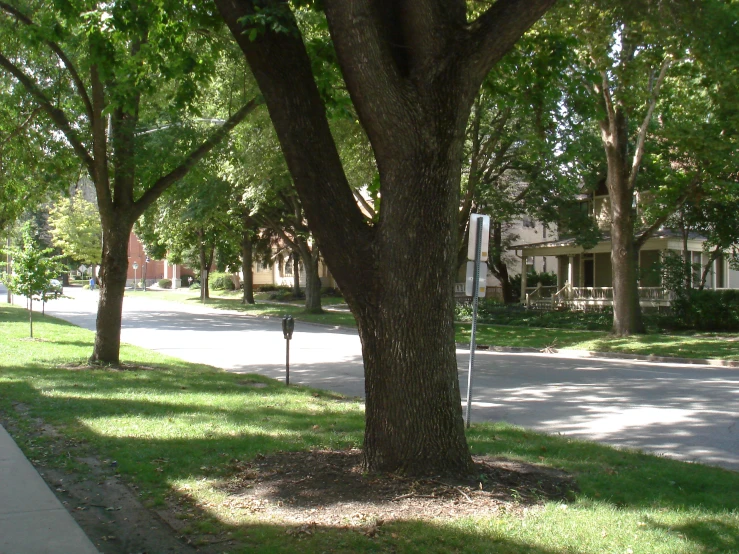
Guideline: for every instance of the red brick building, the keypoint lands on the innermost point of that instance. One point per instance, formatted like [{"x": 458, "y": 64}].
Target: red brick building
[{"x": 153, "y": 270}]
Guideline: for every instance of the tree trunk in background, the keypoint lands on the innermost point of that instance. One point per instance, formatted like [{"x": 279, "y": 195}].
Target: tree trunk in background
[
  {"x": 311, "y": 258},
  {"x": 206, "y": 261},
  {"x": 627, "y": 317},
  {"x": 295, "y": 260},
  {"x": 498, "y": 267},
  {"x": 247, "y": 263}
]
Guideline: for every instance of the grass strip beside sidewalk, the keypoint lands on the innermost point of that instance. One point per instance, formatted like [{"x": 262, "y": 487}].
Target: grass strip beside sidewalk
[{"x": 175, "y": 429}]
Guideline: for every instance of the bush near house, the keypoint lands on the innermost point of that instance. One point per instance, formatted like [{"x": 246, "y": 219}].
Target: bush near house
[
  {"x": 165, "y": 283},
  {"x": 707, "y": 310},
  {"x": 700, "y": 310},
  {"x": 221, "y": 281}
]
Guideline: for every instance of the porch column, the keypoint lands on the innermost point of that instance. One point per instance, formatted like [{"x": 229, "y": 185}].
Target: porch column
[
  {"x": 523, "y": 278},
  {"x": 570, "y": 273},
  {"x": 175, "y": 278}
]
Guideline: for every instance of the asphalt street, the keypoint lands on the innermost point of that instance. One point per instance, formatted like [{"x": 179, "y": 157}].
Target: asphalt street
[{"x": 687, "y": 412}]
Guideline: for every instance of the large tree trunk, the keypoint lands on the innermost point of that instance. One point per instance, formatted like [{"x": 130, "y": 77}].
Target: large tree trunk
[
  {"x": 627, "y": 318},
  {"x": 413, "y": 413},
  {"x": 247, "y": 263},
  {"x": 112, "y": 277}
]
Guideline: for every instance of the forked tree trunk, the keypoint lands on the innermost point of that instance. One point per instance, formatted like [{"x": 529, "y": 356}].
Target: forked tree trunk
[
  {"x": 30, "y": 315},
  {"x": 412, "y": 70},
  {"x": 112, "y": 277}
]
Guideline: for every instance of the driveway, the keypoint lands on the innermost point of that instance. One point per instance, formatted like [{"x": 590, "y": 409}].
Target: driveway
[{"x": 687, "y": 412}]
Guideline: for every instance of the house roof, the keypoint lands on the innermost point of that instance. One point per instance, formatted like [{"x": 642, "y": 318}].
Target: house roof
[{"x": 606, "y": 237}]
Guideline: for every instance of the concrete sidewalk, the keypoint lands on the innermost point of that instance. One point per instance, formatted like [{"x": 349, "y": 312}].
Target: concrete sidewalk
[{"x": 32, "y": 520}]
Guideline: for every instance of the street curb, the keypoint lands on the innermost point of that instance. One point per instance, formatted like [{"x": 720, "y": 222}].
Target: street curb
[{"x": 571, "y": 353}]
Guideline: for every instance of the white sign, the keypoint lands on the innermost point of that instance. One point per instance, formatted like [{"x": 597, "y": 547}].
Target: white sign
[
  {"x": 469, "y": 282},
  {"x": 83, "y": 268},
  {"x": 472, "y": 244},
  {"x": 135, "y": 265}
]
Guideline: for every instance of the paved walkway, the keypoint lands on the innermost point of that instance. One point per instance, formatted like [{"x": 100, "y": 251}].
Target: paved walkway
[{"x": 32, "y": 520}]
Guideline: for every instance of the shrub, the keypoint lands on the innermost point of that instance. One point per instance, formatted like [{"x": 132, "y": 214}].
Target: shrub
[
  {"x": 708, "y": 310},
  {"x": 266, "y": 288},
  {"x": 195, "y": 285},
  {"x": 330, "y": 291},
  {"x": 165, "y": 283},
  {"x": 221, "y": 281}
]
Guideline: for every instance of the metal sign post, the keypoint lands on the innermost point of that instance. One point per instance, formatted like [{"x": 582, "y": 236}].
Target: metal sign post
[
  {"x": 288, "y": 325},
  {"x": 480, "y": 250}
]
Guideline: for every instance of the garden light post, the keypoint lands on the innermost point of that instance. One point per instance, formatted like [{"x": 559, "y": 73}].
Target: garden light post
[{"x": 288, "y": 325}]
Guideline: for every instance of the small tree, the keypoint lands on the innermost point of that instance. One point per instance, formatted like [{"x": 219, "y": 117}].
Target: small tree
[
  {"x": 75, "y": 229},
  {"x": 32, "y": 272}
]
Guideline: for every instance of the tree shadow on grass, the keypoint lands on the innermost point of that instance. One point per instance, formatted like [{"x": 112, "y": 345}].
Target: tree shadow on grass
[{"x": 231, "y": 426}]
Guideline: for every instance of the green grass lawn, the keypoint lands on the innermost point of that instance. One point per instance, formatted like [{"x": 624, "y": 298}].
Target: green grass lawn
[
  {"x": 695, "y": 345},
  {"x": 723, "y": 346},
  {"x": 174, "y": 427}
]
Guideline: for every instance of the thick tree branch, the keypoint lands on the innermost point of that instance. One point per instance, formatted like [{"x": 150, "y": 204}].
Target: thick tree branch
[
  {"x": 642, "y": 135},
  {"x": 164, "y": 182},
  {"x": 299, "y": 117},
  {"x": 79, "y": 85},
  {"x": 56, "y": 115},
  {"x": 375, "y": 29},
  {"x": 656, "y": 224},
  {"x": 495, "y": 32},
  {"x": 100, "y": 145}
]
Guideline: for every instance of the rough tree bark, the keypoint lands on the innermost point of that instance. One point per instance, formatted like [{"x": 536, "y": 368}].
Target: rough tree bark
[{"x": 413, "y": 70}]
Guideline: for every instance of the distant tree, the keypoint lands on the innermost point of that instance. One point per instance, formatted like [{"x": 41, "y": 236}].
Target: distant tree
[
  {"x": 33, "y": 268},
  {"x": 76, "y": 231},
  {"x": 105, "y": 77}
]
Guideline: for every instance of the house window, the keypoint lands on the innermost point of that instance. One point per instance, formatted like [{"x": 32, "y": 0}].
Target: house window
[
  {"x": 697, "y": 268},
  {"x": 262, "y": 266},
  {"x": 528, "y": 222},
  {"x": 288, "y": 272}
]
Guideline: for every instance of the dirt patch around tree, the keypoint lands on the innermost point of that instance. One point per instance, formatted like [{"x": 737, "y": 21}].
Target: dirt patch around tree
[
  {"x": 330, "y": 488},
  {"x": 301, "y": 490}
]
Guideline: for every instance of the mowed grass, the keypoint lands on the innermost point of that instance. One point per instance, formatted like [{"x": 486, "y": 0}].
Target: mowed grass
[
  {"x": 696, "y": 345},
  {"x": 722, "y": 346},
  {"x": 176, "y": 428},
  {"x": 231, "y": 300}
]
